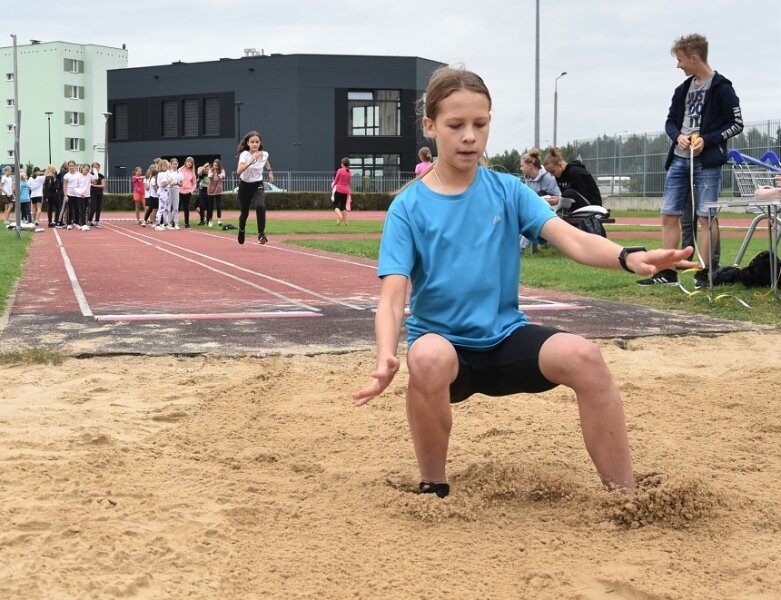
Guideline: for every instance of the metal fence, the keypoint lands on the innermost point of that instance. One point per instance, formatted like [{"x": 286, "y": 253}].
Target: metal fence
[
  {"x": 629, "y": 164},
  {"x": 632, "y": 164},
  {"x": 298, "y": 181}
]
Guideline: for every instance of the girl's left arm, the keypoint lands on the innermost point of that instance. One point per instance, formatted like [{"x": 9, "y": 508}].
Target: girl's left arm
[{"x": 596, "y": 251}]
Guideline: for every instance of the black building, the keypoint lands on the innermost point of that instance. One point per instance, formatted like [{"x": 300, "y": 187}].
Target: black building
[{"x": 310, "y": 109}]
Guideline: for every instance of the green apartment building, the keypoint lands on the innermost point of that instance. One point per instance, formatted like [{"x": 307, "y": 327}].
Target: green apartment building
[{"x": 62, "y": 98}]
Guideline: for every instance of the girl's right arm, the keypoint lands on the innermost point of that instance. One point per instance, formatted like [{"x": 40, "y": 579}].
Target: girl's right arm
[
  {"x": 242, "y": 166},
  {"x": 387, "y": 325}
]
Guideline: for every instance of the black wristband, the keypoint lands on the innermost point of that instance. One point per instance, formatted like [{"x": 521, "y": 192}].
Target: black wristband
[{"x": 624, "y": 252}]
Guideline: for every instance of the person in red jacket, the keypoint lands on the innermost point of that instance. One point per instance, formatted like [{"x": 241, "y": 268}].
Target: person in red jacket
[{"x": 341, "y": 190}]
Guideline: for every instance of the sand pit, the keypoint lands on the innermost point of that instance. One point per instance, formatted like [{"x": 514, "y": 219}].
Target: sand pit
[{"x": 216, "y": 478}]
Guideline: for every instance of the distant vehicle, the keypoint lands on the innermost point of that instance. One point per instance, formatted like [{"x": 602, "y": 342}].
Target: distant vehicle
[{"x": 270, "y": 188}]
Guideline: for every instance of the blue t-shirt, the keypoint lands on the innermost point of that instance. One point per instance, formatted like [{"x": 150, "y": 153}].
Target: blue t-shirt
[
  {"x": 461, "y": 255},
  {"x": 24, "y": 191}
]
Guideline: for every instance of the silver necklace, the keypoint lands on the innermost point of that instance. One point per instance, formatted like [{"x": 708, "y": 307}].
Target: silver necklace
[{"x": 439, "y": 181}]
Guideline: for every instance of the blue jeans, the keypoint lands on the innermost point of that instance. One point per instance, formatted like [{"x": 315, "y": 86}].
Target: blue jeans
[{"x": 707, "y": 185}]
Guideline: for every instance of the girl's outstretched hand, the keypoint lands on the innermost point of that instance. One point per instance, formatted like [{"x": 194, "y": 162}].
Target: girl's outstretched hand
[
  {"x": 653, "y": 261},
  {"x": 382, "y": 376}
]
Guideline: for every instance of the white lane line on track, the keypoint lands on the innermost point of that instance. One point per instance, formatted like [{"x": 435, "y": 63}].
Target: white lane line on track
[
  {"x": 234, "y": 316},
  {"x": 346, "y": 261},
  {"x": 219, "y": 272},
  {"x": 77, "y": 291},
  {"x": 289, "y": 284}
]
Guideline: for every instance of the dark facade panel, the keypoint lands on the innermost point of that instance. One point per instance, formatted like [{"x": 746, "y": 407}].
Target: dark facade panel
[{"x": 297, "y": 102}]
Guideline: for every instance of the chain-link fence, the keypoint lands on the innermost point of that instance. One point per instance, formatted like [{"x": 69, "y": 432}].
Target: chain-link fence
[{"x": 632, "y": 164}]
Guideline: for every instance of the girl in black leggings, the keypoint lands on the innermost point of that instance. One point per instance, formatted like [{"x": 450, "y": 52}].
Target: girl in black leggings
[{"x": 252, "y": 160}]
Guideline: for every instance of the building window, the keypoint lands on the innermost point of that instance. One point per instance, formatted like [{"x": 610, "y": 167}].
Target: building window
[
  {"x": 9, "y": 76},
  {"x": 374, "y": 113},
  {"x": 74, "y": 66},
  {"x": 10, "y": 154},
  {"x": 74, "y": 118},
  {"x": 11, "y": 127},
  {"x": 74, "y": 144},
  {"x": 170, "y": 128},
  {"x": 190, "y": 113},
  {"x": 120, "y": 122},
  {"x": 211, "y": 116},
  {"x": 375, "y": 172},
  {"x": 9, "y": 102},
  {"x": 74, "y": 92}
]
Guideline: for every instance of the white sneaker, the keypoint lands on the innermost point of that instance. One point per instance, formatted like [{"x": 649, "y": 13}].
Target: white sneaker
[
  {"x": 211, "y": 224},
  {"x": 159, "y": 228},
  {"x": 85, "y": 227},
  {"x": 219, "y": 223},
  {"x": 69, "y": 227},
  {"x": 177, "y": 228},
  {"x": 171, "y": 227}
]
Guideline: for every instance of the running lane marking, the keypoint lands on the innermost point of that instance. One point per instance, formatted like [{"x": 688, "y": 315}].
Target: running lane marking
[
  {"x": 234, "y": 316},
  {"x": 223, "y": 273},
  {"x": 139, "y": 237},
  {"x": 77, "y": 291}
]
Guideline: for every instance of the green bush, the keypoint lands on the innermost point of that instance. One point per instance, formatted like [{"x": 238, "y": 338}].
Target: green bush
[{"x": 275, "y": 201}]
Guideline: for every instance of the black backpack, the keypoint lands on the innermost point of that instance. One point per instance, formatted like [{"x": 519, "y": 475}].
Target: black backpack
[
  {"x": 757, "y": 273},
  {"x": 592, "y": 224}
]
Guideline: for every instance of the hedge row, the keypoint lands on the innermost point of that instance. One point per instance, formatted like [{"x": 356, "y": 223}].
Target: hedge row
[{"x": 274, "y": 201}]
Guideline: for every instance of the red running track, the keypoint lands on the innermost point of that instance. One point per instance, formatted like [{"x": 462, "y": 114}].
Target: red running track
[{"x": 133, "y": 272}]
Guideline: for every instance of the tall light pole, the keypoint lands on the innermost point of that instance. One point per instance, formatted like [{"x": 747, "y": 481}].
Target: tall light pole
[
  {"x": 105, "y": 148},
  {"x": 49, "y": 119},
  {"x": 537, "y": 80},
  {"x": 556, "y": 105},
  {"x": 17, "y": 125}
]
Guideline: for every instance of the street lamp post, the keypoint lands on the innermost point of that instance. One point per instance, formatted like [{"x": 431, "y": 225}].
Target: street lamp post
[
  {"x": 556, "y": 105},
  {"x": 105, "y": 148},
  {"x": 49, "y": 120},
  {"x": 537, "y": 77}
]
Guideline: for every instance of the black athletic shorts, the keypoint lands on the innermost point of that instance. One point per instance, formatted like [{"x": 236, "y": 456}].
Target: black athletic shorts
[
  {"x": 340, "y": 200},
  {"x": 512, "y": 367}
]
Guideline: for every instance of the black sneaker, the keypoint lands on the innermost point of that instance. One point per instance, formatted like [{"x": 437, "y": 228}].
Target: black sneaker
[
  {"x": 440, "y": 489},
  {"x": 241, "y": 236},
  {"x": 664, "y": 277},
  {"x": 262, "y": 239}
]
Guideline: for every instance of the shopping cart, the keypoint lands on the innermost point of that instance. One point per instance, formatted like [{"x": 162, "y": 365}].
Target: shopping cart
[{"x": 750, "y": 175}]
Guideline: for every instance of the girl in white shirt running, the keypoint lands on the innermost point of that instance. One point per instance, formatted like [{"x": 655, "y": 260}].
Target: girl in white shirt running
[{"x": 252, "y": 160}]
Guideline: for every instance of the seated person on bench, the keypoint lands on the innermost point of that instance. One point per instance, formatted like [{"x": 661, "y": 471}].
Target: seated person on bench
[
  {"x": 578, "y": 188},
  {"x": 536, "y": 177}
]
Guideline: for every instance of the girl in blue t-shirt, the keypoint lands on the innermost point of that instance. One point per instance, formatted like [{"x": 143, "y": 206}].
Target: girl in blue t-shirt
[
  {"x": 24, "y": 197},
  {"x": 453, "y": 233}
]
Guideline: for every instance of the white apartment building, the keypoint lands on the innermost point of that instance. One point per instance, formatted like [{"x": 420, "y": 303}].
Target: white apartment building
[{"x": 62, "y": 98}]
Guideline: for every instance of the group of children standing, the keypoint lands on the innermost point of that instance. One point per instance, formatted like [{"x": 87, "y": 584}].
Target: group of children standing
[
  {"x": 167, "y": 188},
  {"x": 74, "y": 196}
]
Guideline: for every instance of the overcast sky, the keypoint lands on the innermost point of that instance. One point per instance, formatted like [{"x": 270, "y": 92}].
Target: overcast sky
[{"x": 617, "y": 53}]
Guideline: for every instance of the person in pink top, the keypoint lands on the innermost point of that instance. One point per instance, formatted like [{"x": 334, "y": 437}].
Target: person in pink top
[
  {"x": 187, "y": 171},
  {"x": 137, "y": 180},
  {"x": 424, "y": 154},
  {"x": 341, "y": 189}
]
